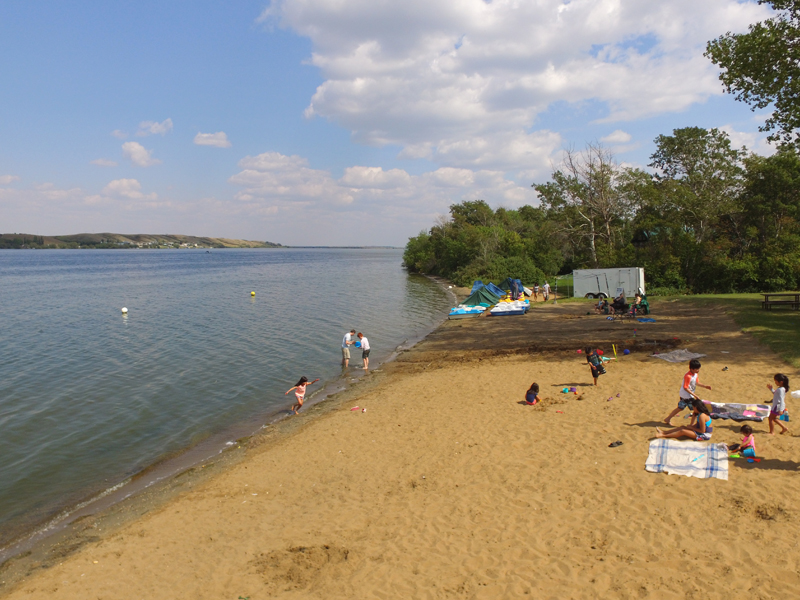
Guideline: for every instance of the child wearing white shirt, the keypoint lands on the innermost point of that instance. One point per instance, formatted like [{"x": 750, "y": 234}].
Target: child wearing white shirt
[{"x": 364, "y": 350}]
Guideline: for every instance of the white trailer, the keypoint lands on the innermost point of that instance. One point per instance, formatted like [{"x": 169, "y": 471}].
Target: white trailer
[{"x": 607, "y": 283}]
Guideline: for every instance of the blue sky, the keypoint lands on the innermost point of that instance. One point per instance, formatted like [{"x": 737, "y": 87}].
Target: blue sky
[{"x": 330, "y": 122}]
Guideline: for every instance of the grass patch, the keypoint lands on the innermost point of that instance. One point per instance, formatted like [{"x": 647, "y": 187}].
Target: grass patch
[{"x": 779, "y": 328}]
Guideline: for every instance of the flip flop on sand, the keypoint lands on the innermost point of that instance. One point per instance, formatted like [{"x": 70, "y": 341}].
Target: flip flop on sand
[{"x": 615, "y": 444}]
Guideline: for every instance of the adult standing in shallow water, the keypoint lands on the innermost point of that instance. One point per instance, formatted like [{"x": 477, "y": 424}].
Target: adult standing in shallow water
[
  {"x": 346, "y": 343},
  {"x": 364, "y": 350}
]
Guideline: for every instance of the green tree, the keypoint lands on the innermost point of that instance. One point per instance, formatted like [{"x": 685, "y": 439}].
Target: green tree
[
  {"x": 584, "y": 194},
  {"x": 762, "y": 68},
  {"x": 771, "y": 219},
  {"x": 418, "y": 256},
  {"x": 699, "y": 175},
  {"x": 771, "y": 198}
]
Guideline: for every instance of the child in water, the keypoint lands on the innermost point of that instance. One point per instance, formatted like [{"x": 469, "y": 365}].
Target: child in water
[
  {"x": 532, "y": 395},
  {"x": 300, "y": 392},
  {"x": 778, "y": 401}
]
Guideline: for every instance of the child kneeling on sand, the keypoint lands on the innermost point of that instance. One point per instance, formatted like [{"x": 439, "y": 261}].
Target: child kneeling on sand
[
  {"x": 532, "y": 395},
  {"x": 747, "y": 447}
]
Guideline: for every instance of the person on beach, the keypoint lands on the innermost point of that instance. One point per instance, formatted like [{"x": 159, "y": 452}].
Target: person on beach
[
  {"x": 748, "y": 445},
  {"x": 619, "y": 305},
  {"x": 690, "y": 383},
  {"x": 778, "y": 402},
  {"x": 595, "y": 362},
  {"x": 532, "y": 395},
  {"x": 699, "y": 428},
  {"x": 300, "y": 392},
  {"x": 546, "y": 291},
  {"x": 364, "y": 350},
  {"x": 536, "y": 291},
  {"x": 346, "y": 343}
]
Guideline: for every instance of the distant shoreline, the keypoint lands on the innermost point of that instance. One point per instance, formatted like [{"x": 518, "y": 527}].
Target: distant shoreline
[
  {"x": 108, "y": 241},
  {"x": 143, "y": 241}
]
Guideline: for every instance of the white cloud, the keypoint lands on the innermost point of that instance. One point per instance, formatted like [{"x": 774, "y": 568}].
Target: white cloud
[
  {"x": 103, "y": 162},
  {"x": 616, "y": 137},
  {"x": 754, "y": 141},
  {"x": 464, "y": 82},
  {"x": 6, "y": 179},
  {"x": 218, "y": 140},
  {"x": 127, "y": 188},
  {"x": 374, "y": 177},
  {"x": 138, "y": 154},
  {"x": 119, "y": 134},
  {"x": 48, "y": 209},
  {"x": 153, "y": 127},
  {"x": 288, "y": 184}
]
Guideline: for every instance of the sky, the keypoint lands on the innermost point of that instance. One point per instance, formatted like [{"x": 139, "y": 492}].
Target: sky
[{"x": 335, "y": 122}]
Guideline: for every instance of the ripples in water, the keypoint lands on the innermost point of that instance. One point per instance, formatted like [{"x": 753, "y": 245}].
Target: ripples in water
[{"x": 89, "y": 397}]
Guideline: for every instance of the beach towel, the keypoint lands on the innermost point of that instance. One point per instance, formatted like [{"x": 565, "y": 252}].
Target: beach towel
[
  {"x": 677, "y": 356},
  {"x": 692, "y": 459},
  {"x": 739, "y": 412},
  {"x": 646, "y": 320}
]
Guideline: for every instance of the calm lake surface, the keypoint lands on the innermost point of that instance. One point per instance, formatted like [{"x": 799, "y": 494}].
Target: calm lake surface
[{"x": 89, "y": 397}]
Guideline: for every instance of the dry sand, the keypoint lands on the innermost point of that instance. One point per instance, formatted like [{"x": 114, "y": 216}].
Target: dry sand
[{"x": 448, "y": 487}]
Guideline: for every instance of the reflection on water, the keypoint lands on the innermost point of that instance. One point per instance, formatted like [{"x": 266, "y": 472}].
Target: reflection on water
[{"x": 89, "y": 396}]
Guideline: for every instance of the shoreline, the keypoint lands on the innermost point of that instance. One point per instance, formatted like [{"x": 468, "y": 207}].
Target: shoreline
[
  {"x": 440, "y": 485},
  {"x": 158, "y": 477}
]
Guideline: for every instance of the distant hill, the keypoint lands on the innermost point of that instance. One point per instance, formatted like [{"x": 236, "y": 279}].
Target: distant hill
[{"x": 119, "y": 240}]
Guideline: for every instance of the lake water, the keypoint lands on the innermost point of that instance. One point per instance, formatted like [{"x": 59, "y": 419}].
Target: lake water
[{"x": 89, "y": 397}]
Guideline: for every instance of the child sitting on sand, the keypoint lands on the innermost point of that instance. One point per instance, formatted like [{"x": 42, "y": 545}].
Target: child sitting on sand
[
  {"x": 699, "y": 428},
  {"x": 532, "y": 395},
  {"x": 778, "y": 402},
  {"x": 748, "y": 445},
  {"x": 687, "y": 394},
  {"x": 300, "y": 392}
]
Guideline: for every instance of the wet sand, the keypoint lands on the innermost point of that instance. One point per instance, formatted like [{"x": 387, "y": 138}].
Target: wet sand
[{"x": 449, "y": 487}]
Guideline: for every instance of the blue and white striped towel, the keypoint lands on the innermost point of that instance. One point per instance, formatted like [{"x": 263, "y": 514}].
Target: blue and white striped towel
[{"x": 692, "y": 459}]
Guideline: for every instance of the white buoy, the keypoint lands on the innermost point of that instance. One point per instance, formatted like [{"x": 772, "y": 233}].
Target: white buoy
[{"x": 124, "y": 311}]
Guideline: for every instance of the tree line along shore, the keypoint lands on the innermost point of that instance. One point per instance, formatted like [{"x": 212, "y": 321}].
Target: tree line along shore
[
  {"x": 709, "y": 218},
  {"x": 117, "y": 240}
]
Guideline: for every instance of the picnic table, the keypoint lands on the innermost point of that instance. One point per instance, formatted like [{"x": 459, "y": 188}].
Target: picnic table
[{"x": 782, "y": 299}]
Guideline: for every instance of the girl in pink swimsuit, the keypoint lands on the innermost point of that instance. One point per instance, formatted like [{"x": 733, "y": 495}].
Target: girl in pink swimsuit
[{"x": 300, "y": 392}]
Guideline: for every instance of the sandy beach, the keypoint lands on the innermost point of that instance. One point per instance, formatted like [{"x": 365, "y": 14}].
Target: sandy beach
[{"x": 449, "y": 487}]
